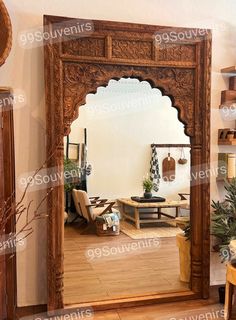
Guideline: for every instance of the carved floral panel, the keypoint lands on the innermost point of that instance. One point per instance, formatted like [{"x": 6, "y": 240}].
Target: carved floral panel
[
  {"x": 175, "y": 52},
  {"x": 131, "y": 49},
  {"x": 90, "y": 47}
]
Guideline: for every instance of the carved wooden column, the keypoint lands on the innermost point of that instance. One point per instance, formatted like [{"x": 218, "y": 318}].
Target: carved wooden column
[
  {"x": 55, "y": 156},
  {"x": 196, "y": 216}
]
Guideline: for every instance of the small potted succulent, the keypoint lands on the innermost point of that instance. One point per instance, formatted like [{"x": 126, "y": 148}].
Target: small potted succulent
[{"x": 147, "y": 187}]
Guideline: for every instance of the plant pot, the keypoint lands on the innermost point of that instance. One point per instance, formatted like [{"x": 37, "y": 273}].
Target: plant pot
[
  {"x": 221, "y": 291},
  {"x": 182, "y": 222},
  {"x": 147, "y": 195},
  {"x": 184, "y": 257}
]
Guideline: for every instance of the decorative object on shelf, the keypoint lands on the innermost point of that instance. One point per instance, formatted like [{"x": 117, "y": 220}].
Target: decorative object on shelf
[
  {"x": 231, "y": 165},
  {"x": 224, "y": 220},
  {"x": 147, "y": 187},
  {"x": 154, "y": 170},
  {"x": 182, "y": 159},
  {"x": 228, "y": 97},
  {"x": 5, "y": 33},
  {"x": 168, "y": 168},
  {"x": 226, "y": 166},
  {"x": 227, "y": 136},
  {"x": 223, "y": 166}
]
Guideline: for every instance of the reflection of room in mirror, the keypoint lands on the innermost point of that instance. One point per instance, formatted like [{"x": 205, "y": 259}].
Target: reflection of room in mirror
[{"x": 122, "y": 121}]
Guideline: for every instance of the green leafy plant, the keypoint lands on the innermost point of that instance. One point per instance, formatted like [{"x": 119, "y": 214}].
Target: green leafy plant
[
  {"x": 223, "y": 219},
  {"x": 147, "y": 185},
  {"x": 71, "y": 174},
  {"x": 187, "y": 232}
]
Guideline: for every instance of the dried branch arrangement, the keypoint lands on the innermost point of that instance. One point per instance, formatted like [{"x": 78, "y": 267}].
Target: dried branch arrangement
[{"x": 20, "y": 211}]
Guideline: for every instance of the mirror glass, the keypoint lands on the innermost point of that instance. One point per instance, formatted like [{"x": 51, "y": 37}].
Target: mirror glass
[{"x": 127, "y": 196}]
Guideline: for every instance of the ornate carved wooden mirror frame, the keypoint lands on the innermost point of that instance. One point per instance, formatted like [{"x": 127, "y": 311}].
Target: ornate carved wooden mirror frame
[{"x": 76, "y": 67}]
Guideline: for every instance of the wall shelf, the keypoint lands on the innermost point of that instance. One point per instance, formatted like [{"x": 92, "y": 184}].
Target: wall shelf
[
  {"x": 227, "y": 143},
  {"x": 231, "y": 69},
  {"x": 227, "y": 136}
]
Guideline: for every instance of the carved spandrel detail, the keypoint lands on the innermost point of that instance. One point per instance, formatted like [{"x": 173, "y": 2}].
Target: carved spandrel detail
[
  {"x": 87, "y": 47},
  {"x": 131, "y": 49},
  {"x": 81, "y": 79},
  {"x": 177, "y": 52}
]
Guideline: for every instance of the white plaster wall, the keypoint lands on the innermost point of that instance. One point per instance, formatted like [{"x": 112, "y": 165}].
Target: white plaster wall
[
  {"x": 24, "y": 71},
  {"x": 122, "y": 121}
]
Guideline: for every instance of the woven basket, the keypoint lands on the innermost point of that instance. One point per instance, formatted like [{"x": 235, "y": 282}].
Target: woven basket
[
  {"x": 108, "y": 232},
  {"x": 5, "y": 33}
]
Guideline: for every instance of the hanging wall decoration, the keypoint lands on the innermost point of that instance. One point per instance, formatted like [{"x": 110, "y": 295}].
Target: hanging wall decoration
[
  {"x": 168, "y": 168},
  {"x": 182, "y": 159},
  {"x": 5, "y": 33},
  {"x": 154, "y": 170}
]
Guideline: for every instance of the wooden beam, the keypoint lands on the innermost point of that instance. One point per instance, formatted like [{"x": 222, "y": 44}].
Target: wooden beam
[{"x": 166, "y": 145}]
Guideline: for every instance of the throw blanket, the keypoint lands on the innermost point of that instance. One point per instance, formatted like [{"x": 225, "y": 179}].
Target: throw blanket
[
  {"x": 110, "y": 219},
  {"x": 154, "y": 170}
]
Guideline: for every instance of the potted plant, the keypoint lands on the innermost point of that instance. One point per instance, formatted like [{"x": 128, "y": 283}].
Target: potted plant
[
  {"x": 223, "y": 225},
  {"x": 223, "y": 219},
  {"x": 147, "y": 187},
  {"x": 184, "y": 245},
  {"x": 71, "y": 180},
  {"x": 71, "y": 174}
]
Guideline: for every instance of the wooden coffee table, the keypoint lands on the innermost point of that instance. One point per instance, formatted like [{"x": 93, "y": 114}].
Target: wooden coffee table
[{"x": 125, "y": 204}]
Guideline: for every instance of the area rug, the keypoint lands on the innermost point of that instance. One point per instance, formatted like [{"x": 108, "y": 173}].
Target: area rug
[{"x": 162, "y": 230}]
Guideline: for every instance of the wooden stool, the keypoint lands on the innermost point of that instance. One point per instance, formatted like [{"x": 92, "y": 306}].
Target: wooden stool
[{"x": 229, "y": 290}]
